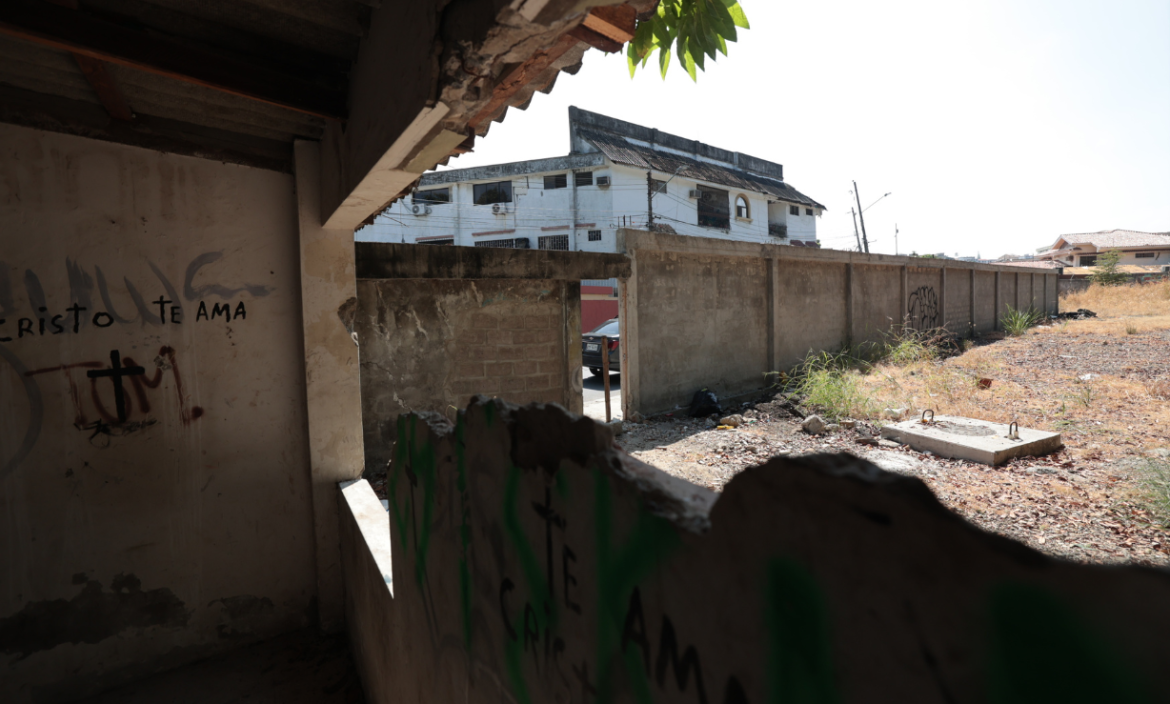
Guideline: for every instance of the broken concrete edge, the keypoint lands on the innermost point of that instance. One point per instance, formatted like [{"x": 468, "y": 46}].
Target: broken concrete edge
[
  {"x": 686, "y": 505},
  {"x": 384, "y": 260},
  {"x": 356, "y": 498}
]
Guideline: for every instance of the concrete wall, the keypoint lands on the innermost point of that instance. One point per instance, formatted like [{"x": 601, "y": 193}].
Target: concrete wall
[
  {"x": 438, "y": 325},
  {"x": 174, "y": 521},
  {"x": 536, "y": 562},
  {"x": 703, "y": 312}
]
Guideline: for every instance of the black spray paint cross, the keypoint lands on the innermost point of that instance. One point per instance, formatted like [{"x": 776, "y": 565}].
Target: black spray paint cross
[{"x": 116, "y": 372}]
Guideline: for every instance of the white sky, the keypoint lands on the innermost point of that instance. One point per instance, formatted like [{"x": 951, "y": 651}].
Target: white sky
[{"x": 997, "y": 125}]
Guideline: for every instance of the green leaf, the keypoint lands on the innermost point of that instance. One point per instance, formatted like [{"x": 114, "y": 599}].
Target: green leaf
[
  {"x": 664, "y": 59},
  {"x": 737, "y": 14}
]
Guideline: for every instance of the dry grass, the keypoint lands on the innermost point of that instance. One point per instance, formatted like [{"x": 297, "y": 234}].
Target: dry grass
[{"x": 1120, "y": 301}]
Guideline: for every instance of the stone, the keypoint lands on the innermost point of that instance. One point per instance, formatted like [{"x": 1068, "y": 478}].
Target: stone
[
  {"x": 832, "y": 427},
  {"x": 734, "y": 420},
  {"x": 848, "y": 424},
  {"x": 866, "y": 440},
  {"x": 894, "y": 413},
  {"x": 970, "y": 439},
  {"x": 813, "y": 425}
]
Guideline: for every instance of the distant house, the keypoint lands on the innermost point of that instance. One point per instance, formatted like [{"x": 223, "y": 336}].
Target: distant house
[
  {"x": 1143, "y": 255},
  {"x": 1136, "y": 248},
  {"x": 617, "y": 174}
]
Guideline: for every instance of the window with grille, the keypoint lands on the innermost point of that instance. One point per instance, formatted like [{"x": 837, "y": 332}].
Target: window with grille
[
  {"x": 742, "y": 209},
  {"x": 449, "y": 242},
  {"x": 595, "y": 235},
  {"x": 714, "y": 207},
  {"x": 518, "y": 243},
  {"x": 657, "y": 186},
  {"x": 808, "y": 211},
  {"x": 583, "y": 178},
  {"x": 1089, "y": 260},
  {"x": 488, "y": 193},
  {"x": 434, "y": 196},
  {"x": 556, "y": 181},
  {"x": 794, "y": 210},
  {"x": 1143, "y": 255},
  {"x": 557, "y": 242}
]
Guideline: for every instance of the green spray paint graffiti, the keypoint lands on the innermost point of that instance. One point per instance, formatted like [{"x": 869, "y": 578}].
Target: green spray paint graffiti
[
  {"x": 1041, "y": 651},
  {"x": 464, "y": 531},
  {"x": 800, "y": 658},
  {"x": 416, "y": 462}
]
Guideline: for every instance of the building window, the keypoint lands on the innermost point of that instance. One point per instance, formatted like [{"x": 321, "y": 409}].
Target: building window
[
  {"x": 557, "y": 242},
  {"x": 742, "y": 210},
  {"x": 595, "y": 235},
  {"x": 714, "y": 208},
  {"x": 449, "y": 242},
  {"x": 488, "y": 193},
  {"x": 518, "y": 243},
  {"x": 434, "y": 196},
  {"x": 808, "y": 211},
  {"x": 556, "y": 181},
  {"x": 794, "y": 210},
  {"x": 583, "y": 178},
  {"x": 1088, "y": 260},
  {"x": 1144, "y": 255},
  {"x": 657, "y": 186}
]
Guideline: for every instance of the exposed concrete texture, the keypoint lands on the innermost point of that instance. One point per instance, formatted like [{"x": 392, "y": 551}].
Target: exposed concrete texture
[
  {"x": 332, "y": 375},
  {"x": 430, "y": 345},
  {"x": 154, "y": 477},
  {"x": 440, "y": 324},
  {"x": 536, "y": 562},
  {"x": 975, "y": 440},
  {"x": 702, "y": 312}
]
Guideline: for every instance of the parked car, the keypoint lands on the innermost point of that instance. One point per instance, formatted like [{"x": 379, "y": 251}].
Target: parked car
[{"x": 591, "y": 347}]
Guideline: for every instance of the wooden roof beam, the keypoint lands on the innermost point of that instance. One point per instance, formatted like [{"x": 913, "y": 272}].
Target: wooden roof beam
[{"x": 81, "y": 33}]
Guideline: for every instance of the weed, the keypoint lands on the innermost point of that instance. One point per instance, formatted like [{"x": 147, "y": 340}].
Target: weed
[
  {"x": 1015, "y": 322},
  {"x": 1154, "y": 478},
  {"x": 1131, "y": 329},
  {"x": 1151, "y": 298},
  {"x": 1084, "y": 396}
]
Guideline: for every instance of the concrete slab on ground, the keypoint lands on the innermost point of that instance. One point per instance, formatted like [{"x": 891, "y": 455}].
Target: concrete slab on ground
[{"x": 970, "y": 439}]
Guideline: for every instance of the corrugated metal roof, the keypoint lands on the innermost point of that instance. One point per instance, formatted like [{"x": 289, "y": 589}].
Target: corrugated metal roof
[{"x": 622, "y": 151}]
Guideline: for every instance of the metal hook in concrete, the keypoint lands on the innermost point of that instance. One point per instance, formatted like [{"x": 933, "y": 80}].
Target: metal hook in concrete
[
  {"x": 1013, "y": 431},
  {"x": 924, "y": 420}
]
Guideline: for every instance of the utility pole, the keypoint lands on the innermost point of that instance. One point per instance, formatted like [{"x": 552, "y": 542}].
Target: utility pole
[
  {"x": 895, "y": 238},
  {"x": 861, "y": 215},
  {"x": 649, "y": 202},
  {"x": 855, "y": 234}
]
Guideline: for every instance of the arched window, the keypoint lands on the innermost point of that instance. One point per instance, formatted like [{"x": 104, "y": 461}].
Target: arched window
[{"x": 742, "y": 210}]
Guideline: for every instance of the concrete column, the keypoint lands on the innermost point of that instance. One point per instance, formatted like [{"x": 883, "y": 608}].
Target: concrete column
[
  {"x": 333, "y": 388},
  {"x": 942, "y": 299},
  {"x": 849, "y": 304},
  {"x": 571, "y": 344},
  {"x": 971, "y": 300},
  {"x": 773, "y": 312},
  {"x": 995, "y": 311},
  {"x": 905, "y": 294},
  {"x": 628, "y": 322}
]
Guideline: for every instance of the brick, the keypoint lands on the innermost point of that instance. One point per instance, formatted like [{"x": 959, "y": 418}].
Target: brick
[
  {"x": 537, "y": 322},
  {"x": 554, "y": 366},
  {"x": 468, "y": 370},
  {"x": 538, "y": 382},
  {"x": 513, "y": 384},
  {"x": 538, "y": 352},
  {"x": 485, "y": 321},
  {"x": 465, "y": 337},
  {"x": 469, "y": 387},
  {"x": 513, "y": 322},
  {"x": 534, "y": 337},
  {"x": 497, "y": 370},
  {"x": 509, "y": 353}
]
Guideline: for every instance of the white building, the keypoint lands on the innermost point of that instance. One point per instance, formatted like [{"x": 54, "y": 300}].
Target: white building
[{"x": 617, "y": 174}]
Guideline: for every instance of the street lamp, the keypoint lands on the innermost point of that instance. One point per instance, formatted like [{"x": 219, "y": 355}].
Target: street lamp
[{"x": 875, "y": 202}]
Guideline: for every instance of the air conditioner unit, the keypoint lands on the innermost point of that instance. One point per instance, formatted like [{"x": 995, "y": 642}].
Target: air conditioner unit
[
  {"x": 603, "y": 181},
  {"x": 694, "y": 193},
  {"x": 421, "y": 209},
  {"x": 499, "y": 208}
]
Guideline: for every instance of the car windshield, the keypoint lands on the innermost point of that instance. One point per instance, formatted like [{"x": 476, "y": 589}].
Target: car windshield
[{"x": 610, "y": 327}]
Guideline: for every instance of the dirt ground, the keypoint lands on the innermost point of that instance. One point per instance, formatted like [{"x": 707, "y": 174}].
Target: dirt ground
[{"x": 1105, "y": 389}]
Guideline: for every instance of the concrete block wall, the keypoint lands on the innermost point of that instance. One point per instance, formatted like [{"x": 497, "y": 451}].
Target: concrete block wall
[
  {"x": 553, "y": 567},
  {"x": 438, "y": 325},
  {"x": 700, "y": 312}
]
